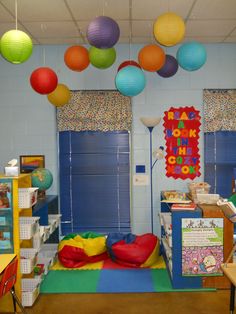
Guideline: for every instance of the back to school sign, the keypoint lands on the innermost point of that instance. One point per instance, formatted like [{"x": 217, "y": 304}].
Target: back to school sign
[{"x": 181, "y": 127}]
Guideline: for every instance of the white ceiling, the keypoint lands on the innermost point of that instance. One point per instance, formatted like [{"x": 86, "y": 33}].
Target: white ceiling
[{"x": 65, "y": 21}]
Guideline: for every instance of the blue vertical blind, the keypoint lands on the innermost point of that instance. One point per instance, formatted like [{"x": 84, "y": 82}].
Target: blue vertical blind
[
  {"x": 94, "y": 181},
  {"x": 219, "y": 160}
]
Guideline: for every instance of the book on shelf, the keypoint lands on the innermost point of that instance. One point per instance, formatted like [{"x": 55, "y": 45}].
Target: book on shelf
[
  {"x": 174, "y": 196},
  {"x": 228, "y": 209},
  {"x": 185, "y": 206}
]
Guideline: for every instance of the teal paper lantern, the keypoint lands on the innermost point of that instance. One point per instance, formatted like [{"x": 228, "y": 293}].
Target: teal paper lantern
[
  {"x": 191, "y": 56},
  {"x": 102, "y": 58},
  {"x": 130, "y": 81},
  {"x": 16, "y": 46}
]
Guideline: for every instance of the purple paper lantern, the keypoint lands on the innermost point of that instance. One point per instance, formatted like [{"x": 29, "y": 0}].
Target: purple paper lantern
[
  {"x": 103, "y": 32},
  {"x": 169, "y": 68}
]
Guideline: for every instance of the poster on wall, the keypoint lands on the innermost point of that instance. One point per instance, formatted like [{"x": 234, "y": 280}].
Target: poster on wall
[
  {"x": 181, "y": 127},
  {"x": 202, "y": 246}
]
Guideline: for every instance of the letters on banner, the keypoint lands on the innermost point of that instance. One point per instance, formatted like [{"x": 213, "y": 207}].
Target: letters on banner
[{"x": 181, "y": 127}]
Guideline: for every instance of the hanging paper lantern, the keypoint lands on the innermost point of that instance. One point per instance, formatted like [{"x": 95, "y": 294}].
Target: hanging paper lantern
[
  {"x": 128, "y": 62},
  {"x": 169, "y": 68},
  {"x": 43, "y": 80},
  {"x": 77, "y": 58},
  {"x": 151, "y": 58},
  {"x": 60, "y": 96},
  {"x": 130, "y": 81},
  {"x": 191, "y": 56},
  {"x": 103, "y": 32},
  {"x": 169, "y": 29},
  {"x": 102, "y": 58},
  {"x": 16, "y": 46}
]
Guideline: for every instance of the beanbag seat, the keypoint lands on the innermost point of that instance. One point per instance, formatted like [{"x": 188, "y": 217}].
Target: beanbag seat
[
  {"x": 76, "y": 250},
  {"x": 133, "y": 250}
]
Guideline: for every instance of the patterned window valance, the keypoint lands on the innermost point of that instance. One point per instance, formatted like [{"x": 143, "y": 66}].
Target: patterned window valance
[
  {"x": 95, "y": 111},
  {"x": 219, "y": 110}
]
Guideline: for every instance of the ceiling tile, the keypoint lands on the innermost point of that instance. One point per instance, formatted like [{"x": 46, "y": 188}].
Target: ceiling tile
[
  {"x": 86, "y": 9},
  {"x": 61, "y": 41},
  {"x": 52, "y": 29},
  {"x": 142, "y": 29},
  {"x": 43, "y": 10},
  {"x": 117, "y": 9},
  {"x": 209, "y": 28},
  {"x": 231, "y": 39},
  {"x": 151, "y": 9},
  {"x": 5, "y": 16},
  {"x": 214, "y": 9}
]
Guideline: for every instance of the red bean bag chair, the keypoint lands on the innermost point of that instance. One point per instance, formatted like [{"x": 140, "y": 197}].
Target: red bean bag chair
[
  {"x": 76, "y": 250},
  {"x": 133, "y": 250}
]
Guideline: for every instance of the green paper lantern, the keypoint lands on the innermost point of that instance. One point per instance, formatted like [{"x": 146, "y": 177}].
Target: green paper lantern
[
  {"x": 16, "y": 46},
  {"x": 102, "y": 58}
]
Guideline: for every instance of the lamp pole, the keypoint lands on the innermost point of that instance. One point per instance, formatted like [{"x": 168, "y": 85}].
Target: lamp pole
[{"x": 150, "y": 128}]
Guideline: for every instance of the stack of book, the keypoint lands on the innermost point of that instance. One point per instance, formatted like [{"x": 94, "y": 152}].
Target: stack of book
[
  {"x": 228, "y": 209},
  {"x": 184, "y": 206}
]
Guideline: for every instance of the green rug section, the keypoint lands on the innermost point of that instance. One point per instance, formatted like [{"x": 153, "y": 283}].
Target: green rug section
[
  {"x": 162, "y": 283},
  {"x": 86, "y": 281},
  {"x": 70, "y": 281}
]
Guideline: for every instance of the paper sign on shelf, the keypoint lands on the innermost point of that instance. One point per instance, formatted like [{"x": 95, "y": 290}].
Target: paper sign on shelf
[{"x": 140, "y": 179}]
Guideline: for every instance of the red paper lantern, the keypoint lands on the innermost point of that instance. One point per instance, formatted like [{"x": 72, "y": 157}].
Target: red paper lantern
[
  {"x": 128, "y": 62},
  {"x": 151, "y": 58},
  {"x": 77, "y": 58},
  {"x": 43, "y": 80}
]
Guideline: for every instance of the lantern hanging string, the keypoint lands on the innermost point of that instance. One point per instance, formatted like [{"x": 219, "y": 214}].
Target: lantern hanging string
[
  {"x": 16, "y": 12},
  {"x": 130, "y": 27}
]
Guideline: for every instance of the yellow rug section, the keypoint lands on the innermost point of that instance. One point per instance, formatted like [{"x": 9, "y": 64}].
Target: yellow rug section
[
  {"x": 160, "y": 264},
  {"x": 89, "y": 266}
]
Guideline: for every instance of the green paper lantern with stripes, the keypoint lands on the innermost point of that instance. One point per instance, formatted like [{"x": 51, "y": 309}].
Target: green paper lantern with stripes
[{"x": 16, "y": 46}]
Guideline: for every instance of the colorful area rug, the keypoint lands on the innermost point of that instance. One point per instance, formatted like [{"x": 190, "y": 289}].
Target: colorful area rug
[{"x": 108, "y": 277}]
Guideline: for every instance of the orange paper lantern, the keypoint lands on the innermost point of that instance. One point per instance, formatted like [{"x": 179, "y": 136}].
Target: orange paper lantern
[
  {"x": 151, "y": 58},
  {"x": 76, "y": 58},
  {"x": 60, "y": 96}
]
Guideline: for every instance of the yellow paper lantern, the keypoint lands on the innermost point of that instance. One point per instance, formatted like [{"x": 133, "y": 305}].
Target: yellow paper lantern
[
  {"x": 169, "y": 29},
  {"x": 60, "y": 96}
]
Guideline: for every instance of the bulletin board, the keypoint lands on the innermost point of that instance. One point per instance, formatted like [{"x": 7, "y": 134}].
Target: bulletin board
[{"x": 181, "y": 127}]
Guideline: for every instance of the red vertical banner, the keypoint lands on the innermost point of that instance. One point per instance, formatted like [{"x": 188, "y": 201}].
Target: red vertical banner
[{"x": 181, "y": 127}]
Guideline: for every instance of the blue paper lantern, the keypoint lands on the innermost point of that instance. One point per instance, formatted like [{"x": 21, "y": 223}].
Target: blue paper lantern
[
  {"x": 191, "y": 56},
  {"x": 169, "y": 68},
  {"x": 130, "y": 81},
  {"x": 103, "y": 32}
]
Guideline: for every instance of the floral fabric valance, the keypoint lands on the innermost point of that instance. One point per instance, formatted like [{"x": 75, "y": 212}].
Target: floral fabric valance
[
  {"x": 219, "y": 110},
  {"x": 95, "y": 111}
]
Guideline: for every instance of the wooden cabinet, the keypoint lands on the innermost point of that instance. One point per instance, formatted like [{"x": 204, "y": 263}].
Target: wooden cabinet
[{"x": 214, "y": 211}]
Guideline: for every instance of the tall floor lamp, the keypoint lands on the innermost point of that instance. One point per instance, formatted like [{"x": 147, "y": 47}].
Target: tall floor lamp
[{"x": 150, "y": 123}]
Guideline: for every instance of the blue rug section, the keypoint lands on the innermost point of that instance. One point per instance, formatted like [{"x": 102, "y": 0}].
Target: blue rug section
[{"x": 122, "y": 281}]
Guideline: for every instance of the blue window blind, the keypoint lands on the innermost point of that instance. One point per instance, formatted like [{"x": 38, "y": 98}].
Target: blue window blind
[
  {"x": 94, "y": 181},
  {"x": 219, "y": 160}
]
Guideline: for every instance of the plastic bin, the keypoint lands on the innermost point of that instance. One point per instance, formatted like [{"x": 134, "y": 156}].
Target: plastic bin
[
  {"x": 198, "y": 188},
  {"x": 27, "y": 260},
  {"x": 30, "y": 291},
  {"x": 28, "y": 227},
  {"x": 27, "y": 197}
]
